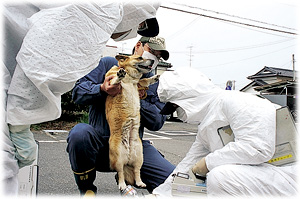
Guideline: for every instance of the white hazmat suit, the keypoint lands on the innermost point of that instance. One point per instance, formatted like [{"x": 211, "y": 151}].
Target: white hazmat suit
[
  {"x": 62, "y": 45},
  {"x": 238, "y": 168},
  {"x": 47, "y": 48}
]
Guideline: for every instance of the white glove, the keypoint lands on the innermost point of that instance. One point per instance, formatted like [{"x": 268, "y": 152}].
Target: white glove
[{"x": 25, "y": 145}]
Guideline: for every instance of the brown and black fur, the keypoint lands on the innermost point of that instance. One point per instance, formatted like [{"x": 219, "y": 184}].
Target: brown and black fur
[{"x": 123, "y": 116}]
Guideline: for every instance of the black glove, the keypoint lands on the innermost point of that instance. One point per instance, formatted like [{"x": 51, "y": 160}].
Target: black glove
[{"x": 169, "y": 108}]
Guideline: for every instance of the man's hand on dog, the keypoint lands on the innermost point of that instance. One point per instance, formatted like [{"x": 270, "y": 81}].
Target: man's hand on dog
[{"x": 110, "y": 89}]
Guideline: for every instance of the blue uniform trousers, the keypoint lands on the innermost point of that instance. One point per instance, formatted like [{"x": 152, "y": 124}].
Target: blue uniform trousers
[{"x": 89, "y": 151}]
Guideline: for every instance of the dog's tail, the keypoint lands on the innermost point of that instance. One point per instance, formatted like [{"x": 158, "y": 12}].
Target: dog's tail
[{"x": 129, "y": 174}]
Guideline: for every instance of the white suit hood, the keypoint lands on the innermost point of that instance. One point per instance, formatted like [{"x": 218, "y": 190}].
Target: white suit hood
[
  {"x": 191, "y": 90},
  {"x": 62, "y": 44},
  {"x": 135, "y": 12},
  {"x": 251, "y": 118}
]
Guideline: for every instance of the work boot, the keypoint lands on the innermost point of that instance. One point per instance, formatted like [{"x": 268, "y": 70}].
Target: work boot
[{"x": 85, "y": 180}]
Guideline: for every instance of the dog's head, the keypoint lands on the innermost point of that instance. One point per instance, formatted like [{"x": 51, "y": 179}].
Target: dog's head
[{"x": 135, "y": 61}]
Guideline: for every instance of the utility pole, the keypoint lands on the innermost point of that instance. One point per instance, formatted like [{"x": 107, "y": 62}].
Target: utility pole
[
  {"x": 190, "y": 47},
  {"x": 294, "y": 72}
]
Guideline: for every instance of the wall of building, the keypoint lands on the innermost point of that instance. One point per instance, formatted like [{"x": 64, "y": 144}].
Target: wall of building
[{"x": 110, "y": 51}]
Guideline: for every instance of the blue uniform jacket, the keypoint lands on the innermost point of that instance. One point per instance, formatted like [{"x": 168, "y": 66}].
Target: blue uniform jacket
[{"x": 87, "y": 91}]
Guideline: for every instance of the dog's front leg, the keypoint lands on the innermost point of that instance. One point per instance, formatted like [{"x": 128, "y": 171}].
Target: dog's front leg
[
  {"x": 120, "y": 75},
  {"x": 148, "y": 81}
]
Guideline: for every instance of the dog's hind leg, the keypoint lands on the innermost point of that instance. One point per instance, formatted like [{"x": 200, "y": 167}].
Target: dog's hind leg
[
  {"x": 119, "y": 167},
  {"x": 137, "y": 165},
  {"x": 118, "y": 156},
  {"x": 138, "y": 180},
  {"x": 136, "y": 154},
  {"x": 122, "y": 184}
]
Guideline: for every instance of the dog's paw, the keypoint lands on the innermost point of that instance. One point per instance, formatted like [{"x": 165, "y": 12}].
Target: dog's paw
[
  {"x": 122, "y": 186},
  {"x": 156, "y": 78},
  {"x": 140, "y": 184},
  {"x": 121, "y": 73}
]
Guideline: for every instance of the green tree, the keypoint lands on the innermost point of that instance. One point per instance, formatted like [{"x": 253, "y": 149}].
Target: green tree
[{"x": 70, "y": 108}]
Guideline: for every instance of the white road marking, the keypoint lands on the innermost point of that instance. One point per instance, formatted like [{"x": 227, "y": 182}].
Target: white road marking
[
  {"x": 150, "y": 135},
  {"x": 155, "y": 137},
  {"x": 176, "y": 132},
  {"x": 52, "y": 141},
  {"x": 56, "y": 131},
  {"x": 169, "y": 133}
]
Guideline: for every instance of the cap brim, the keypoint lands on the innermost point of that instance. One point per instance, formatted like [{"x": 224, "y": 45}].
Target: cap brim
[
  {"x": 164, "y": 53},
  {"x": 152, "y": 30}
]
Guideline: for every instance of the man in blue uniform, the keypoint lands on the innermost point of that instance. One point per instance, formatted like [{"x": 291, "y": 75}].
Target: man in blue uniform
[{"x": 88, "y": 143}]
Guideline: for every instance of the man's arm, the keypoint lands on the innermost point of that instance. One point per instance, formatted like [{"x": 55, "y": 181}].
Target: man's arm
[{"x": 254, "y": 131}]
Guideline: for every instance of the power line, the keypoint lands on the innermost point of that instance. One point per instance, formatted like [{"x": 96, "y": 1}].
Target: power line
[
  {"x": 184, "y": 28},
  {"x": 234, "y": 16},
  {"x": 261, "y": 31},
  {"x": 285, "y": 64},
  {"x": 221, "y": 19},
  {"x": 246, "y": 58},
  {"x": 236, "y": 48}
]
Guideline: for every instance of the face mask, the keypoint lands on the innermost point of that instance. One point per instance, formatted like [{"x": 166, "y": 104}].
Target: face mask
[
  {"x": 147, "y": 55},
  {"x": 181, "y": 114},
  {"x": 131, "y": 34}
]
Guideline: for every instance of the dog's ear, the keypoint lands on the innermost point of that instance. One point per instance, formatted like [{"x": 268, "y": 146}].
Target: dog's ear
[{"x": 121, "y": 58}]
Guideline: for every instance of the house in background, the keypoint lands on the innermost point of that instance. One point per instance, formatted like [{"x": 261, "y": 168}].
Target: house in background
[
  {"x": 268, "y": 75},
  {"x": 276, "y": 84}
]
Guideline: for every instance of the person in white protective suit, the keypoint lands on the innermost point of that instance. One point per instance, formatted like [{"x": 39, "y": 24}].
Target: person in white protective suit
[
  {"x": 238, "y": 168},
  {"x": 47, "y": 48}
]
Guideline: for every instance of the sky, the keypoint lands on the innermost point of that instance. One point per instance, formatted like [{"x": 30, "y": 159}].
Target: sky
[{"x": 224, "y": 50}]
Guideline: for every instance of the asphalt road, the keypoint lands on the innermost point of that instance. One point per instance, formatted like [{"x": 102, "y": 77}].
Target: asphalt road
[{"x": 55, "y": 175}]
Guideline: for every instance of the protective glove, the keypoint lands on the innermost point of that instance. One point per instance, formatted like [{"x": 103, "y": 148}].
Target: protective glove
[
  {"x": 25, "y": 145},
  {"x": 200, "y": 168}
]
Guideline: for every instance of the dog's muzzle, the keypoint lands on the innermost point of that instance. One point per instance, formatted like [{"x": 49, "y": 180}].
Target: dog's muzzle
[{"x": 147, "y": 65}]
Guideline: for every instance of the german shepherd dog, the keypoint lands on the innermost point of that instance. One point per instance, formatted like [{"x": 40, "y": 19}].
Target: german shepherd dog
[{"x": 123, "y": 117}]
